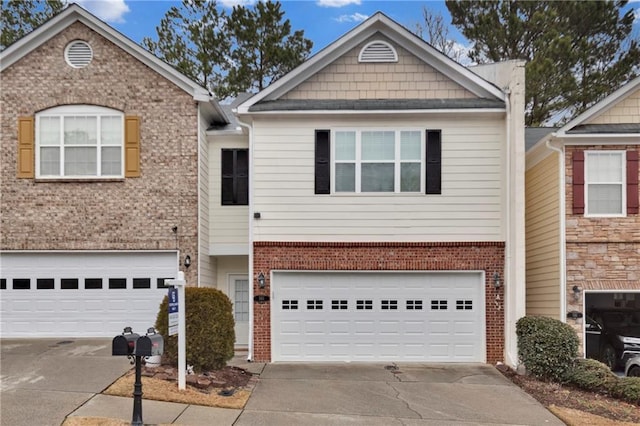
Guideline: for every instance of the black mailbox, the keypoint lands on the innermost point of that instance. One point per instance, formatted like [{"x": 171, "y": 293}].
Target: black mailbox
[
  {"x": 124, "y": 344},
  {"x": 150, "y": 345}
]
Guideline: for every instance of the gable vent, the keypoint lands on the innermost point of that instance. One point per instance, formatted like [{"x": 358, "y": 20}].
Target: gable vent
[
  {"x": 378, "y": 51},
  {"x": 78, "y": 54}
]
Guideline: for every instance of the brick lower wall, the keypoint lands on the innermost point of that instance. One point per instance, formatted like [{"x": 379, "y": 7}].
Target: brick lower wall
[{"x": 302, "y": 256}]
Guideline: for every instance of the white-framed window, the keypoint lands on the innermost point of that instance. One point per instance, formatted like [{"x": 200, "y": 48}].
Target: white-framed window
[
  {"x": 378, "y": 161},
  {"x": 79, "y": 142},
  {"x": 605, "y": 175}
]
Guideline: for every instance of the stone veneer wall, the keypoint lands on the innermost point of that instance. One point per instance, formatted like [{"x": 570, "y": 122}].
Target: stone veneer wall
[
  {"x": 487, "y": 256},
  {"x": 127, "y": 214},
  {"x": 603, "y": 253}
]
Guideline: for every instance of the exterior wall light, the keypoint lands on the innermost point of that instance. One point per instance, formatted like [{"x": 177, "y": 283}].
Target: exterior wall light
[
  {"x": 187, "y": 261},
  {"x": 261, "y": 282},
  {"x": 496, "y": 280},
  {"x": 576, "y": 292}
]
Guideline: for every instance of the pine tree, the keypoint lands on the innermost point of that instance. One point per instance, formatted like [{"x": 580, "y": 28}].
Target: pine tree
[
  {"x": 192, "y": 38},
  {"x": 264, "y": 48},
  {"x": 229, "y": 54},
  {"x": 577, "y": 52},
  {"x": 19, "y": 17}
]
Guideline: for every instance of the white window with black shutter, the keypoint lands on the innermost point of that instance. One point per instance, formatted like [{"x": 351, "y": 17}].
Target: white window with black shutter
[
  {"x": 235, "y": 177},
  {"x": 378, "y": 161}
]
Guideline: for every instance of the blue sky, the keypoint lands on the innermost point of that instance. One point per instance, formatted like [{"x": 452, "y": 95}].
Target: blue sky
[{"x": 323, "y": 21}]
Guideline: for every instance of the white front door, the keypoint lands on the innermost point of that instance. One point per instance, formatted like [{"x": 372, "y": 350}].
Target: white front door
[{"x": 239, "y": 292}]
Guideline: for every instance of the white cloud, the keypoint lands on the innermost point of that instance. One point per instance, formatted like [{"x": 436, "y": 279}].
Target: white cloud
[
  {"x": 356, "y": 17},
  {"x": 337, "y": 3},
  {"x": 107, "y": 10}
]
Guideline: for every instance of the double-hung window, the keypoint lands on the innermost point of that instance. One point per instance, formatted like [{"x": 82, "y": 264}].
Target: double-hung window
[
  {"x": 605, "y": 173},
  {"x": 80, "y": 141},
  {"x": 235, "y": 177},
  {"x": 386, "y": 161}
]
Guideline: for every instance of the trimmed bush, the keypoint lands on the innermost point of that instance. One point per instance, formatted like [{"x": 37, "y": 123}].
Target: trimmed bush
[
  {"x": 209, "y": 326},
  {"x": 546, "y": 346},
  {"x": 590, "y": 375},
  {"x": 627, "y": 389}
]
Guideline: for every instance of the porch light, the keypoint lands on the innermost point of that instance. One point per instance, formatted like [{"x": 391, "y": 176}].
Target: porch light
[
  {"x": 496, "y": 280},
  {"x": 576, "y": 292},
  {"x": 187, "y": 261},
  {"x": 261, "y": 280}
]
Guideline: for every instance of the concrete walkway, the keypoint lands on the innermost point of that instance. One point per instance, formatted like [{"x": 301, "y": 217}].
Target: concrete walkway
[{"x": 43, "y": 381}]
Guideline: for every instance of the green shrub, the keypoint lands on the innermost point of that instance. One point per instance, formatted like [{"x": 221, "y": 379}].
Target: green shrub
[
  {"x": 590, "y": 375},
  {"x": 627, "y": 389},
  {"x": 209, "y": 327},
  {"x": 546, "y": 346}
]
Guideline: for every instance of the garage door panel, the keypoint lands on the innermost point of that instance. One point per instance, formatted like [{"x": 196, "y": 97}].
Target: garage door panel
[
  {"x": 81, "y": 302},
  {"x": 378, "y": 316}
]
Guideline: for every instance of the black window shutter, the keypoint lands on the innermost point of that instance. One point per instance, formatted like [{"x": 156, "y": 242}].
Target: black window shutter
[
  {"x": 434, "y": 162},
  {"x": 322, "y": 163}
]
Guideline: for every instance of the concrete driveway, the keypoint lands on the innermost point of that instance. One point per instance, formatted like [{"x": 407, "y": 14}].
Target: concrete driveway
[
  {"x": 43, "y": 380},
  {"x": 404, "y": 394}
]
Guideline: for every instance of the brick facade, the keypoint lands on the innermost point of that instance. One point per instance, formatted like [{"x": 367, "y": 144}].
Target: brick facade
[
  {"x": 128, "y": 214},
  {"x": 300, "y": 256},
  {"x": 603, "y": 253}
]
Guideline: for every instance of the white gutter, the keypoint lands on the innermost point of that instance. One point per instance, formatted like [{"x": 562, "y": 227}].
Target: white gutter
[
  {"x": 199, "y": 199},
  {"x": 250, "y": 222},
  {"x": 562, "y": 218},
  {"x": 375, "y": 111}
]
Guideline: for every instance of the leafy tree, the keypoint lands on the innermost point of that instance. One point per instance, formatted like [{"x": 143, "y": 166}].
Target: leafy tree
[
  {"x": 244, "y": 51},
  {"x": 577, "y": 52},
  {"x": 264, "y": 48},
  {"x": 20, "y": 17},
  {"x": 192, "y": 38}
]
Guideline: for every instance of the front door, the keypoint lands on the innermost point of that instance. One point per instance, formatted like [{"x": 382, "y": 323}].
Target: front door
[{"x": 239, "y": 291}]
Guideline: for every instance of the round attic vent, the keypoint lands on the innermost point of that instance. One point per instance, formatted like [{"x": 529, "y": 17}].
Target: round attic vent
[{"x": 78, "y": 54}]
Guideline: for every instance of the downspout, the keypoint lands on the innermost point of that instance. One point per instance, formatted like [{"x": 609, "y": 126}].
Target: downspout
[
  {"x": 250, "y": 222},
  {"x": 198, "y": 240},
  {"x": 562, "y": 218}
]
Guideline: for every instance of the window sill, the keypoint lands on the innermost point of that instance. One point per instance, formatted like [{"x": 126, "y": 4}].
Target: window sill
[{"x": 78, "y": 180}]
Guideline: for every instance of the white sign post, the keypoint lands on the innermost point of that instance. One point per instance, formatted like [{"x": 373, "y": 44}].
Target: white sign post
[{"x": 182, "y": 361}]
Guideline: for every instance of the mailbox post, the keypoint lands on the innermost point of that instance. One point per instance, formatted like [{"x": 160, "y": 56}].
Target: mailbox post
[{"x": 136, "y": 347}]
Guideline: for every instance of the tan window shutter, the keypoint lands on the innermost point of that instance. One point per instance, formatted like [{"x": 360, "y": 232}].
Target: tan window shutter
[
  {"x": 132, "y": 146},
  {"x": 26, "y": 146}
]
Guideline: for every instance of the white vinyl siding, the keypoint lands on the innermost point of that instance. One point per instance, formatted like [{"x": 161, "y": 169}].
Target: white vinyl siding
[
  {"x": 206, "y": 265},
  {"x": 469, "y": 208},
  {"x": 229, "y": 225},
  {"x": 543, "y": 238}
]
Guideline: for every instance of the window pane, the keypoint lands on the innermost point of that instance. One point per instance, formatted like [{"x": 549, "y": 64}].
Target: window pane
[
  {"x": 604, "y": 167},
  {"x": 345, "y": 177},
  {"x": 50, "y": 161},
  {"x": 111, "y": 130},
  {"x": 80, "y": 130},
  {"x": 378, "y": 145},
  {"x": 605, "y": 199},
  {"x": 111, "y": 161},
  {"x": 377, "y": 177},
  {"x": 410, "y": 177},
  {"x": 410, "y": 146},
  {"x": 80, "y": 162},
  {"x": 49, "y": 131},
  {"x": 345, "y": 146}
]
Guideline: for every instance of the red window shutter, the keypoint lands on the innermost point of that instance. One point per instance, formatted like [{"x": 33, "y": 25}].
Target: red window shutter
[
  {"x": 578, "y": 182},
  {"x": 632, "y": 182}
]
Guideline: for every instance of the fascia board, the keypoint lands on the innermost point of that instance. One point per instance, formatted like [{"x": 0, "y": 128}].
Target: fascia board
[
  {"x": 600, "y": 138},
  {"x": 601, "y": 106},
  {"x": 456, "y": 111},
  {"x": 394, "y": 31},
  {"x": 75, "y": 13}
]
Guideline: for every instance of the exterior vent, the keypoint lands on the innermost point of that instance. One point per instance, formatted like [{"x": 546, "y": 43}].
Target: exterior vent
[
  {"x": 78, "y": 54},
  {"x": 378, "y": 51}
]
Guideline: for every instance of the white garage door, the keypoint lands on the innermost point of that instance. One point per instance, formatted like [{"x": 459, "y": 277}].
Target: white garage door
[
  {"x": 361, "y": 316},
  {"x": 82, "y": 294}
]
